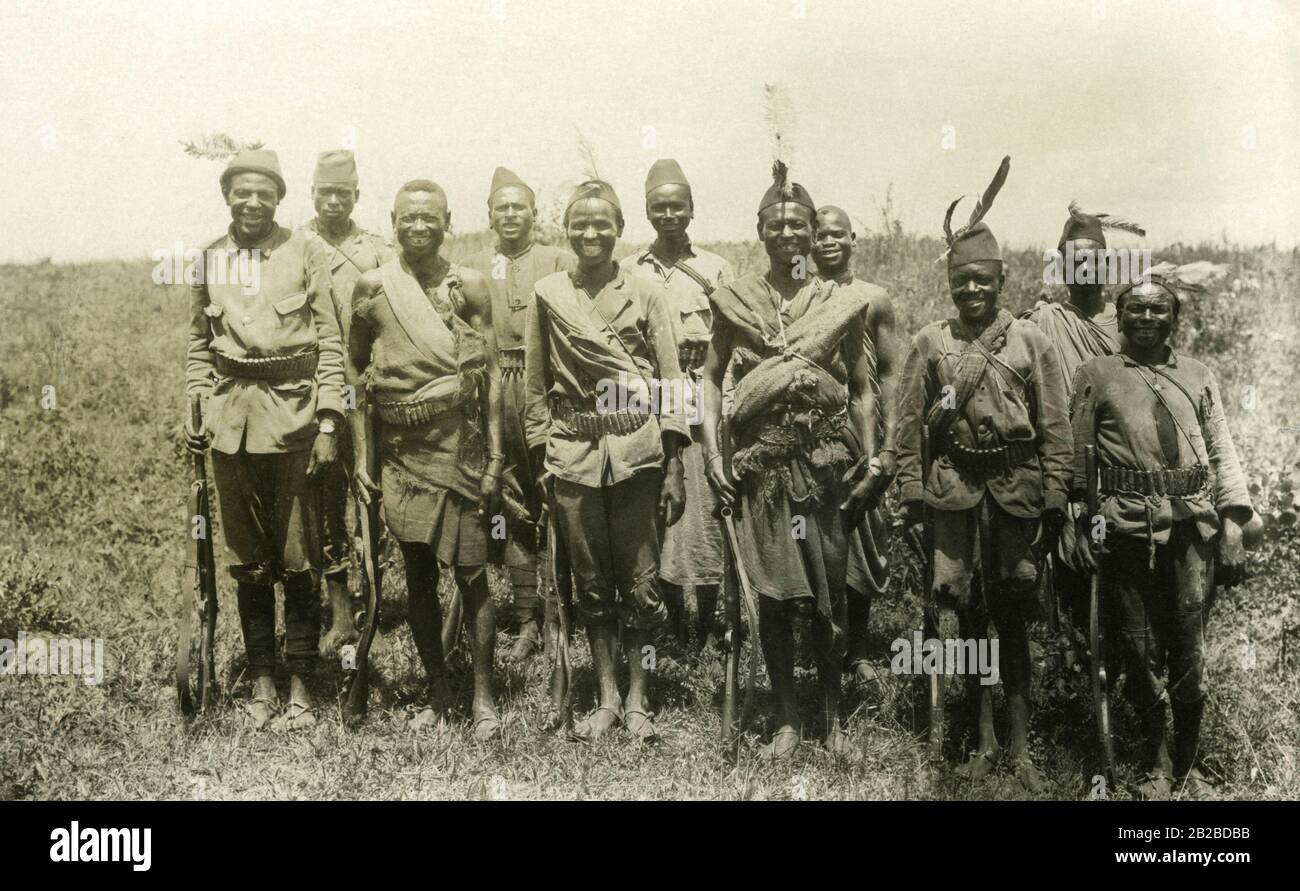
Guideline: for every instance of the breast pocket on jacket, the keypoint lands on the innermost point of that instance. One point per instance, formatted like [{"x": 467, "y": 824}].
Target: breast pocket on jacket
[{"x": 293, "y": 306}]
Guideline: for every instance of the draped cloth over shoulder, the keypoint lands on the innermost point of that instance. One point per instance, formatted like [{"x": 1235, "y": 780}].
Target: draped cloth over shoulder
[
  {"x": 456, "y": 351},
  {"x": 794, "y": 438},
  {"x": 432, "y": 438},
  {"x": 593, "y": 355}
]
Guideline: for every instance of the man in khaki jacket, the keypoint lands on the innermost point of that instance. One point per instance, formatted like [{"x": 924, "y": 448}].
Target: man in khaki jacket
[
  {"x": 350, "y": 251},
  {"x": 266, "y": 354}
]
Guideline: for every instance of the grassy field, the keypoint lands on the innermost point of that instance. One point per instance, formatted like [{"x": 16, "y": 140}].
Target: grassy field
[{"x": 93, "y": 534}]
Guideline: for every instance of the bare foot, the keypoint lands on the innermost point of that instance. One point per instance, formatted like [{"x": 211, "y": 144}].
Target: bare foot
[
  {"x": 427, "y": 719},
  {"x": 1029, "y": 776},
  {"x": 838, "y": 743},
  {"x": 641, "y": 725},
  {"x": 264, "y": 704},
  {"x": 487, "y": 725},
  {"x": 343, "y": 631},
  {"x": 783, "y": 744},
  {"x": 298, "y": 716},
  {"x": 864, "y": 673},
  {"x": 526, "y": 643},
  {"x": 979, "y": 765},
  {"x": 599, "y": 722}
]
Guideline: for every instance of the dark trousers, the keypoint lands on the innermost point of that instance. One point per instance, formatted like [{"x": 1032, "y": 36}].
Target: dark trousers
[
  {"x": 1159, "y": 613},
  {"x": 301, "y": 623}
]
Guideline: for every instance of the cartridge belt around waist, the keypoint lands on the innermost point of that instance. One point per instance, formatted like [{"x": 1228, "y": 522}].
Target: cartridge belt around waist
[
  {"x": 419, "y": 411},
  {"x": 595, "y": 424},
  {"x": 992, "y": 461},
  {"x": 264, "y": 368},
  {"x": 511, "y": 361},
  {"x": 1177, "y": 482}
]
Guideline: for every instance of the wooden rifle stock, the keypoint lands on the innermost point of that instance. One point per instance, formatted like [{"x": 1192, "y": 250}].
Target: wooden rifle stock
[
  {"x": 354, "y": 706},
  {"x": 931, "y": 607},
  {"x": 1096, "y": 622},
  {"x": 204, "y": 590}
]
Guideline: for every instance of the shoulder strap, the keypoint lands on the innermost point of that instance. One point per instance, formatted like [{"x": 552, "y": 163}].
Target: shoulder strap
[{"x": 694, "y": 276}]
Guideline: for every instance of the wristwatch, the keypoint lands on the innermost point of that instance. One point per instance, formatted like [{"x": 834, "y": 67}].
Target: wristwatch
[{"x": 327, "y": 426}]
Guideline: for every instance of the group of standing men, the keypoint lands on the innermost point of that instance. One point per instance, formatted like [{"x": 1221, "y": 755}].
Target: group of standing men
[{"x": 481, "y": 388}]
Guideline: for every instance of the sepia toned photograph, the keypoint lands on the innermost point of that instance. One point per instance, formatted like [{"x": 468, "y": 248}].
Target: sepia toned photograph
[{"x": 788, "y": 400}]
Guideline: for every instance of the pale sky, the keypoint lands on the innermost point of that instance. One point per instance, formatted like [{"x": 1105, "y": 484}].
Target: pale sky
[{"x": 1182, "y": 115}]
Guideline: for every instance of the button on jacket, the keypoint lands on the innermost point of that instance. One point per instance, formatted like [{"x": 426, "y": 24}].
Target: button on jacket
[{"x": 290, "y": 311}]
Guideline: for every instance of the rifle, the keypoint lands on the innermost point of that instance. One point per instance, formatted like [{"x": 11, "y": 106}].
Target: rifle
[
  {"x": 931, "y": 607},
  {"x": 733, "y": 632},
  {"x": 735, "y": 586},
  {"x": 1096, "y": 625},
  {"x": 562, "y": 585},
  {"x": 354, "y": 706},
  {"x": 204, "y": 588}
]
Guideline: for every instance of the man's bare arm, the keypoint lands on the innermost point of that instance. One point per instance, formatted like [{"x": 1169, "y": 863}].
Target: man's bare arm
[
  {"x": 478, "y": 311},
  {"x": 880, "y": 328}
]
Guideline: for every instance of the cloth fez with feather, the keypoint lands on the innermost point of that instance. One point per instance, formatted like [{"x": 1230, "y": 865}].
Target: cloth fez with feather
[
  {"x": 1083, "y": 225},
  {"x": 975, "y": 241}
]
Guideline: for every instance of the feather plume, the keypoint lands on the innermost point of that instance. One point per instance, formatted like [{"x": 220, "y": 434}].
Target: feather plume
[
  {"x": 781, "y": 178},
  {"x": 217, "y": 146},
  {"x": 947, "y": 223},
  {"x": 1108, "y": 221},
  {"x": 982, "y": 206},
  {"x": 778, "y": 113},
  {"x": 1123, "y": 225},
  {"x": 985, "y": 202},
  {"x": 588, "y": 153}
]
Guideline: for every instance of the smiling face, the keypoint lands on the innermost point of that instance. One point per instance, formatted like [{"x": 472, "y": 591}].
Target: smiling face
[
  {"x": 833, "y": 246},
  {"x": 669, "y": 209},
  {"x": 1147, "y": 315},
  {"x": 594, "y": 228},
  {"x": 334, "y": 202},
  {"x": 511, "y": 213},
  {"x": 252, "y": 199},
  {"x": 420, "y": 222},
  {"x": 975, "y": 288},
  {"x": 786, "y": 230}
]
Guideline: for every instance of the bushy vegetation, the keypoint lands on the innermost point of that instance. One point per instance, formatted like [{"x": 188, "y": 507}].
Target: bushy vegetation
[{"x": 93, "y": 538}]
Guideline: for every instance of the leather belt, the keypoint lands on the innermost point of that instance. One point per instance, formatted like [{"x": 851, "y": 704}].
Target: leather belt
[
  {"x": 995, "y": 461},
  {"x": 264, "y": 368},
  {"x": 421, "y": 411},
  {"x": 595, "y": 424},
  {"x": 1176, "y": 482}
]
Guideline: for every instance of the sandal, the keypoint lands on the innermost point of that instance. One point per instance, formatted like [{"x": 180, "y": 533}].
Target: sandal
[
  {"x": 586, "y": 729},
  {"x": 298, "y": 716},
  {"x": 979, "y": 765},
  {"x": 487, "y": 728},
  {"x": 262, "y": 718},
  {"x": 644, "y": 731}
]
